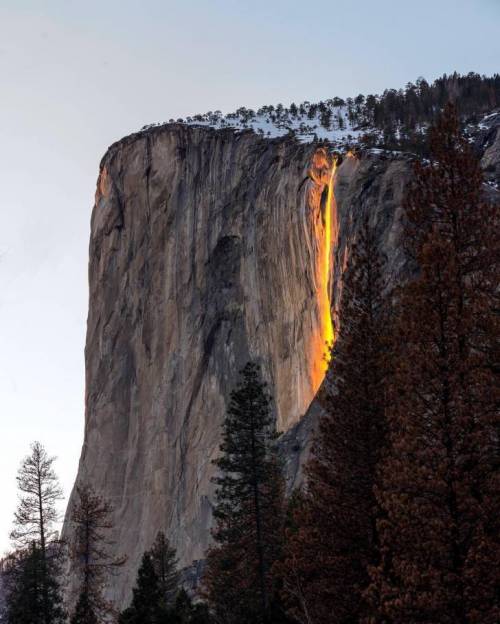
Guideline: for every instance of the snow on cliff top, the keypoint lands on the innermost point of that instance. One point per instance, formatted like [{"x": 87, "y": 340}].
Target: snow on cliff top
[
  {"x": 337, "y": 129},
  {"x": 343, "y": 124},
  {"x": 307, "y": 123}
]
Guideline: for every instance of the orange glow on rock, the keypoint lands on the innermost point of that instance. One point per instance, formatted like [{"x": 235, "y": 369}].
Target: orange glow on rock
[{"x": 324, "y": 339}]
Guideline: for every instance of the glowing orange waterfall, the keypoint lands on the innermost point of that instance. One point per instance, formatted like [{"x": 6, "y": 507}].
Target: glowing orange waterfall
[{"x": 320, "y": 350}]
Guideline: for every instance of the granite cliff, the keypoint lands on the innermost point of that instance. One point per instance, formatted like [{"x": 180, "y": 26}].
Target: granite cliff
[{"x": 208, "y": 248}]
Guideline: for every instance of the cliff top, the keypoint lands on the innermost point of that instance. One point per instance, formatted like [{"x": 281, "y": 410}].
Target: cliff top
[{"x": 396, "y": 120}]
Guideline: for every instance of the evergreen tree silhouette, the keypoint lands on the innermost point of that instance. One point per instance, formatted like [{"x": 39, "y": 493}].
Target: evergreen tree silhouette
[
  {"x": 439, "y": 486},
  {"x": 34, "y": 531},
  {"x": 331, "y": 537},
  {"x": 249, "y": 508},
  {"x": 89, "y": 551},
  {"x": 164, "y": 560},
  {"x": 147, "y": 597},
  {"x": 23, "y": 577}
]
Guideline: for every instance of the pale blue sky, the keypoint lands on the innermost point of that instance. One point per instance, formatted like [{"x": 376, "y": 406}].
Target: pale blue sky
[{"x": 75, "y": 76}]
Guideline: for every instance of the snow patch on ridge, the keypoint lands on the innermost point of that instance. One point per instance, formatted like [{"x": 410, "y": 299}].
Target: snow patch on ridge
[
  {"x": 338, "y": 124},
  {"x": 309, "y": 123},
  {"x": 306, "y": 129}
]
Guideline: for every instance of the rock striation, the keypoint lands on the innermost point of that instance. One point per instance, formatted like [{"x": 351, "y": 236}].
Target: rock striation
[{"x": 206, "y": 250}]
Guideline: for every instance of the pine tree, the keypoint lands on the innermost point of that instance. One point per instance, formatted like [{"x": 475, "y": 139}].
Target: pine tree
[
  {"x": 157, "y": 586},
  {"x": 21, "y": 585},
  {"x": 146, "y": 605},
  {"x": 439, "y": 486},
  {"x": 182, "y": 607},
  {"x": 34, "y": 531},
  {"x": 249, "y": 508},
  {"x": 164, "y": 559},
  {"x": 185, "y": 612},
  {"x": 331, "y": 537},
  {"x": 91, "y": 520},
  {"x": 23, "y": 577},
  {"x": 84, "y": 612}
]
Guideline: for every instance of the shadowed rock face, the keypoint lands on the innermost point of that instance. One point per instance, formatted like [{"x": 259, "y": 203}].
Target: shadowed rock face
[{"x": 204, "y": 253}]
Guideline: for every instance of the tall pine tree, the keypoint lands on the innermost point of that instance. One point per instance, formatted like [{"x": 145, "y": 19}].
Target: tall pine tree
[
  {"x": 332, "y": 538},
  {"x": 23, "y": 578},
  {"x": 249, "y": 508},
  {"x": 164, "y": 560},
  {"x": 146, "y": 607},
  {"x": 157, "y": 587},
  {"x": 34, "y": 532},
  {"x": 92, "y": 562},
  {"x": 440, "y": 483},
  {"x": 184, "y": 611}
]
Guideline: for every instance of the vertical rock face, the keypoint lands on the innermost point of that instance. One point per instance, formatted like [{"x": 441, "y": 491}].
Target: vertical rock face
[{"x": 206, "y": 251}]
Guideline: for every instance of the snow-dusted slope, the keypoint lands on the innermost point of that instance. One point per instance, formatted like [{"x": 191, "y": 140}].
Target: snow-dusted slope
[
  {"x": 333, "y": 126},
  {"x": 309, "y": 122},
  {"x": 337, "y": 125},
  {"x": 397, "y": 119}
]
